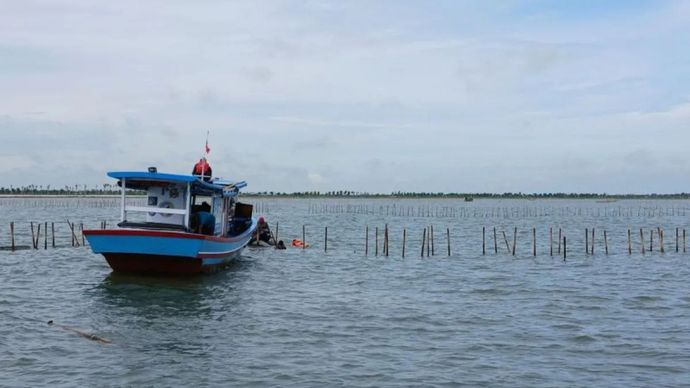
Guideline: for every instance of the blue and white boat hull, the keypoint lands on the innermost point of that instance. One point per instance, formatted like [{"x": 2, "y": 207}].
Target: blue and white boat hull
[{"x": 161, "y": 251}]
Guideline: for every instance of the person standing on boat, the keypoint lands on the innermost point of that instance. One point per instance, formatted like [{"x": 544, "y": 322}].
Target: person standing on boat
[{"x": 202, "y": 169}]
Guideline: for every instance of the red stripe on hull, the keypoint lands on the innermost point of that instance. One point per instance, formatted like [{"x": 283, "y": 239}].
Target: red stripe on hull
[
  {"x": 154, "y": 264},
  {"x": 154, "y": 233}
]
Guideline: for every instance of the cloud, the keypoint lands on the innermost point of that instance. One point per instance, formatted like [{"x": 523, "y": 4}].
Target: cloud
[{"x": 386, "y": 95}]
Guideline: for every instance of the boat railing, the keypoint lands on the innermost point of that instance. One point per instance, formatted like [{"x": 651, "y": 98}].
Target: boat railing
[{"x": 151, "y": 209}]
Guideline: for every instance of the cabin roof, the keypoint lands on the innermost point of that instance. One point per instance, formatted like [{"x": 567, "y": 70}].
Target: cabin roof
[{"x": 142, "y": 180}]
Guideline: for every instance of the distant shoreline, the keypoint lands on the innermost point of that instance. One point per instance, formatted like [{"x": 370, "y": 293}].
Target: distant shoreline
[{"x": 598, "y": 197}]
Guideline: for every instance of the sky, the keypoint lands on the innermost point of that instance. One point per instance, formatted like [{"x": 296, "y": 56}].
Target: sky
[{"x": 375, "y": 96}]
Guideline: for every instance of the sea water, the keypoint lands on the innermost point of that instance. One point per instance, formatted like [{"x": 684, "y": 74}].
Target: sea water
[{"x": 314, "y": 318}]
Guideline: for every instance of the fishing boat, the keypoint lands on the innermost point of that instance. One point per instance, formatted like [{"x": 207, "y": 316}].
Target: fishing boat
[{"x": 188, "y": 226}]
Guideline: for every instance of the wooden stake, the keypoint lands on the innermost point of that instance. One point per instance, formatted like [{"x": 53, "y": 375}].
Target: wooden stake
[
  {"x": 592, "y": 241},
  {"x": 559, "y": 241},
  {"x": 404, "y": 242},
  {"x": 376, "y": 252},
  {"x": 304, "y": 236},
  {"x": 33, "y": 238},
  {"x": 586, "y": 241},
  {"x": 12, "y": 234},
  {"x": 75, "y": 241},
  {"x": 448, "y": 239},
  {"x": 534, "y": 242},
  {"x": 325, "y": 239},
  {"x": 276, "y": 236},
  {"x": 45, "y": 238},
  {"x": 661, "y": 240},
  {"x": 551, "y": 241},
  {"x": 495, "y": 242},
  {"x": 81, "y": 230},
  {"x": 428, "y": 241},
  {"x": 52, "y": 232},
  {"x": 38, "y": 236},
  {"x": 651, "y": 240},
  {"x": 431, "y": 231},
  {"x": 366, "y": 241},
  {"x": 506, "y": 240},
  {"x": 642, "y": 240},
  {"x": 483, "y": 241},
  {"x": 514, "y": 240},
  {"x": 606, "y": 243},
  {"x": 386, "y": 241},
  {"x": 565, "y": 249},
  {"x": 629, "y": 243},
  {"x": 423, "y": 242},
  {"x": 676, "y": 240}
]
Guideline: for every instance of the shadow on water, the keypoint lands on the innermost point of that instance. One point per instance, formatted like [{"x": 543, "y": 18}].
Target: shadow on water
[{"x": 169, "y": 296}]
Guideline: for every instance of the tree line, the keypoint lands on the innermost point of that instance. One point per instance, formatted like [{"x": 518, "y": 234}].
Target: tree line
[{"x": 114, "y": 189}]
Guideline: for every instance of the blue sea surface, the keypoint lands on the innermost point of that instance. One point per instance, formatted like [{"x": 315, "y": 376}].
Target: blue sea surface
[{"x": 315, "y": 318}]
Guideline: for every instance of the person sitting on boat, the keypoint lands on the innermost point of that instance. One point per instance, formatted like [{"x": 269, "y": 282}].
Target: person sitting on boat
[
  {"x": 263, "y": 233},
  {"x": 202, "y": 169}
]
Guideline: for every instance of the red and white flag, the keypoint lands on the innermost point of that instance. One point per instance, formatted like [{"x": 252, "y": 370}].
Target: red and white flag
[{"x": 206, "y": 148}]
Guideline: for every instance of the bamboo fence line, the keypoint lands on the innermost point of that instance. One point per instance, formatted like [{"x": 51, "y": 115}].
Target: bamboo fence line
[
  {"x": 472, "y": 211},
  {"x": 514, "y": 241},
  {"x": 517, "y": 242},
  {"x": 44, "y": 235}
]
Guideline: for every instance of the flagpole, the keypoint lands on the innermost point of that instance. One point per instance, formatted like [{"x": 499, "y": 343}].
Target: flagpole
[{"x": 203, "y": 166}]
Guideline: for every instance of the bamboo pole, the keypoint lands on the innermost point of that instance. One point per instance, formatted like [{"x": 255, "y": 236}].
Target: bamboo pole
[
  {"x": 75, "y": 241},
  {"x": 592, "y": 241},
  {"x": 483, "y": 240},
  {"x": 304, "y": 236},
  {"x": 506, "y": 240},
  {"x": 495, "y": 242},
  {"x": 81, "y": 230},
  {"x": 534, "y": 242},
  {"x": 45, "y": 238},
  {"x": 651, "y": 240},
  {"x": 629, "y": 243},
  {"x": 431, "y": 231},
  {"x": 52, "y": 232},
  {"x": 386, "y": 241},
  {"x": 606, "y": 243},
  {"x": 684, "y": 245},
  {"x": 33, "y": 237},
  {"x": 366, "y": 241},
  {"x": 276, "y": 236},
  {"x": 551, "y": 241},
  {"x": 586, "y": 241},
  {"x": 661, "y": 239},
  {"x": 12, "y": 234},
  {"x": 565, "y": 249},
  {"x": 642, "y": 239},
  {"x": 428, "y": 241},
  {"x": 676, "y": 240},
  {"x": 404, "y": 242},
  {"x": 376, "y": 251},
  {"x": 514, "y": 240},
  {"x": 559, "y": 241},
  {"x": 325, "y": 239},
  {"x": 38, "y": 235},
  {"x": 423, "y": 242},
  {"x": 448, "y": 239}
]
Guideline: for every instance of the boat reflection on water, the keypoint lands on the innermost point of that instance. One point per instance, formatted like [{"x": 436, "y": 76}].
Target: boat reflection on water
[{"x": 124, "y": 296}]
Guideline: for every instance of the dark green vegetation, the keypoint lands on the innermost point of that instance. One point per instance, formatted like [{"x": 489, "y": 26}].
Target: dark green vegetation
[{"x": 110, "y": 189}]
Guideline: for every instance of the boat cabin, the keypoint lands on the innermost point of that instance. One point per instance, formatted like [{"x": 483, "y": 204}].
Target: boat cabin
[{"x": 183, "y": 203}]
